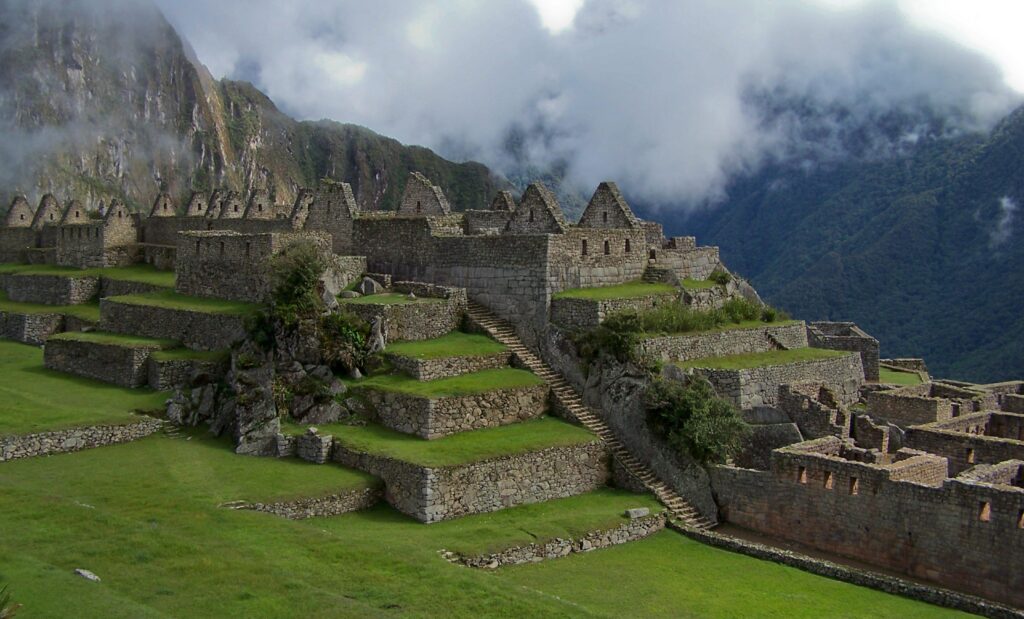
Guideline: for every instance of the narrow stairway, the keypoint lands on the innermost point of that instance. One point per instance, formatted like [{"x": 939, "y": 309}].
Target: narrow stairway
[{"x": 679, "y": 508}]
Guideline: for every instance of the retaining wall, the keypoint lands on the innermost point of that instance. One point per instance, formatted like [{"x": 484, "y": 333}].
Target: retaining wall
[
  {"x": 110, "y": 363},
  {"x": 721, "y": 343},
  {"x": 197, "y": 330},
  {"x": 52, "y": 289},
  {"x": 446, "y": 367},
  {"x": 74, "y": 439}
]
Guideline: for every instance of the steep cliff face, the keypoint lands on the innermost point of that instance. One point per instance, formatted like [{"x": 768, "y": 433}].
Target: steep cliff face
[{"x": 99, "y": 100}]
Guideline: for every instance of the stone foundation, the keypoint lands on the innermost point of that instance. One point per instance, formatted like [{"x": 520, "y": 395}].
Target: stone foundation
[
  {"x": 433, "y": 494},
  {"x": 579, "y": 314},
  {"x": 432, "y": 418},
  {"x": 74, "y": 439},
  {"x": 629, "y": 531}
]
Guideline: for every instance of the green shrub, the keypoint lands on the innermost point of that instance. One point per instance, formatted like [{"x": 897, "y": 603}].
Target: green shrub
[
  {"x": 295, "y": 277},
  {"x": 343, "y": 341},
  {"x": 694, "y": 420},
  {"x": 7, "y": 608},
  {"x": 721, "y": 277}
]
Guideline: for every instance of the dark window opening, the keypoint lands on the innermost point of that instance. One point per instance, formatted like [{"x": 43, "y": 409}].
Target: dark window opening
[
  {"x": 197, "y": 247},
  {"x": 222, "y": 248},
  {"x": 419, "y": 207},
  {"x": 584, "y": 252},
  {"x": 802, "y": 475},
  {"x": 854, "y": 485},
  {"x": 653, "y": 255},
  {"x": 628, "y": 249},
  {"x": 531, "y": 214},
  {"x": 604, "y": 216},
  {"x": 985, "y": 511},
  {"x": 607, "y": 248},
  {"x": 970, "y": 456},
  {"x": 829, "y": 482},
  {"x": 248, "y": 248}
]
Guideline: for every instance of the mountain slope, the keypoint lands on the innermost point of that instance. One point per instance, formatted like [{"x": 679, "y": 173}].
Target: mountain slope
[
  {"x": 105, "y": 99},
  {"x": 922, "y": 250}
]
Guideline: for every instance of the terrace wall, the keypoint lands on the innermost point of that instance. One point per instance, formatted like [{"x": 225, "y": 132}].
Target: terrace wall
[
  {"x": 588, "y": 313},
  {"x": 846, "y": 336},
  {"x": 445, "y": 367},
  {"x": 686, "y": 347},
  {"x": 110, "y": 363},
  {"x": 925, "y": 403},
  {"x": 74, "y": 439},
  {"x": 30, "y": 328},
  {"x": 196, "y": 330},
  {"x": 52, "y": 289}
]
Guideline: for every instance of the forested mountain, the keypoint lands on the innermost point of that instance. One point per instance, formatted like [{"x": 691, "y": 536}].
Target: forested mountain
[
  {"x": 922, "y": 249},
  {"x": 105, "y": 99}
]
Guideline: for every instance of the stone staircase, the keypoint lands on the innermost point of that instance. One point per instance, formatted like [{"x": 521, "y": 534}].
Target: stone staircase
[{"x": 567, "y": 396}]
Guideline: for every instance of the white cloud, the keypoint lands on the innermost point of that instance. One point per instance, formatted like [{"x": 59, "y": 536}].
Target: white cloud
[{"x": 1004, "y": 224}]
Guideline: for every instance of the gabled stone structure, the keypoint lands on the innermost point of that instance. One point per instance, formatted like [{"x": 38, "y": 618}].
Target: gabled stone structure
[
  {"x": 48, "y": 213},
  {"x": 75, "y": 213},
  {"x": 232, "y": 207},
  {"x": 163, "y": 206},
  {"x": 538, "y": 213},
  {"x": 20, "y": 214},
  {"x": 421, "y": 197},
  {"x": 217, "y": 199},
  {"x": 331, "y": 209},
  {"x": 608, "y": 209},
  {"x": 260, "y": 206},
  {"x": 198, "y": 205},
  {"x": 503, "y": 202}
]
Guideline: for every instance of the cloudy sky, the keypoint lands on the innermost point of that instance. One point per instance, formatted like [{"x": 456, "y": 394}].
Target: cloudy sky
[{"x": 668, "y": 97}]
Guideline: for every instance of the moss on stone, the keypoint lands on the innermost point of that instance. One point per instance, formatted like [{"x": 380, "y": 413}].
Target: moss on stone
[{"x": 169, "y": 299}]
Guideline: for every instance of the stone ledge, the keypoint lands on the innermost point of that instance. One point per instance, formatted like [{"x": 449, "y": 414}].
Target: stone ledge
[
  {"x": 74, "y": 439},
  {"x": 629, "y": 531},
  {"x": 322, "y": 506},
  {"x": 195, "y": 329},
  {"x": 112, "y": 363},
  {"x": 855, "y": 576},
  {"x": 52, "y": 289},
  {"x": 447, "y": 367}
]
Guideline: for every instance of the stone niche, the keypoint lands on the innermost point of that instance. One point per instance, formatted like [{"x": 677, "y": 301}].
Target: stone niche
[
  {"x": 432, "y": 494},
  {"x": 432, "y": 418}
]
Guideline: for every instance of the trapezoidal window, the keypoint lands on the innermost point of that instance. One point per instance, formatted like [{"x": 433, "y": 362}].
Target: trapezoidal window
[
  {"x": 854, "y": 485},
  {"x": 259, "y": 207},
  {"x": 584, "y": 247},
  {"x": 51, "y": 216},
  {"x": 236, "y": 208},
  {"x": 627, "y": 248},
  {"x": 607, "y": 248},
  {"x": 222, "y": 248},
  {"x": 604, "y": 216},
  {"x": 419, "y": 207},
  {"x": 248, "y": 248},
  {"x": 984, "y": 511},
  {"x": 531, "y": 215},
  {"x": 801, "y": 475},
  {"x": 969, "y": 456},
  {"x": 829, "y": 480},
  {"x": 653, "y": 255}
]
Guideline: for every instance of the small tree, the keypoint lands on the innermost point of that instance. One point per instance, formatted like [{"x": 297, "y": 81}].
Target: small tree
[
  {"x": 295, "y": 275},
  {"x": 693, "y": 419}
]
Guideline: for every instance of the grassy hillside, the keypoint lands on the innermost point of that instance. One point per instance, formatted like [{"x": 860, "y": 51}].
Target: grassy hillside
[{"x": 909, "y": 248}]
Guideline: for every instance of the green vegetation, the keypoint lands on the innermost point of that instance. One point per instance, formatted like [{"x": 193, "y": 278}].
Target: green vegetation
[
  {"x": 454, "y": 344},
  {"x": 464, "y": 384},
  {"x": 388, "y": 298},
  {"x": 629, "y": 290},
  {"x": 720, "y": 277},
  {"x": 115, "y": 339},
  {"x": 698, "y": 284},
  {"x": 464, "y": 447},
  {"x": 89, "y": 312},
  {"x": 169, "y": 299},
  {"x": 142, "y": 273},
  {"x": 181, "y": 354},
  {"x": 896, "y": 377},
  {"x": 763, "y": 359},
  {"x": 694, "y": 420},
  {"x": 144, "y": 516},
  {"x": 36, "y": 399},
  {"x": 621, "y": 332}
]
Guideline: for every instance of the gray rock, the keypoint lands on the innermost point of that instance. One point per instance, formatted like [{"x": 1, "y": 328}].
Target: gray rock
[
  {"x": 370, "y": 286},
  {"x": 637, "y": 512},
  {"x": 86, "y": 574},
  {"x": 322, "y": 372},
  {"x": 349, "y": 294}
]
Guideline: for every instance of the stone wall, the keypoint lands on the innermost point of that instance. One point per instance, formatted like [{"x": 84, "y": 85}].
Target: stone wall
[
  {"x": 721, "y": 343},
  {"x": 74, "y": 439},
  {"x": 443, "y": 493},
  {"x": 588, "y": 313},
  {"x": 196, "y": 330},
  {"x": 432, "y": 418},
  {"x": 696, "y": 263},
  {"x": 630, "y": 531},
  {"x": 446, "y": 367},
  {"x": 52, "y": 289},
  {"x": 963, "y": 440},
  {"x": 110, "y": 363},
  {"x": 918, "y": 404},
  {"x": 319, "y": 507},
  {"x": 846, "y": 336},
  {"x": 958, "y": 533},
  {"x": 587, "y": 257},
  {"x": 755, "y": 387},
  {"x": 116, "y": 287},
  {"x": 164, "y": 375},
  {"x": 421, "y": 320},
  {"x": 161, "y": 257},
  {"x": 14, "y": 242},
  {"x": 30, "y": 328}
]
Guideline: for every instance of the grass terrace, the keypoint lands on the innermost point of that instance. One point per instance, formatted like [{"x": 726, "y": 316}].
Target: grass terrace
[
  {"x": 142, "y": 273},
  {"x": 388, "y": 298},
  {"x": 464, "y": 384},
  {"x": 89, "y": 312},
  {"x": 144, "y": 516},
  {"x": 35, "y": 399},
  {"x": 896, "y": 377},
  {"x": 698, "y": 284},
  {"x": 465, "y": 447},
  {"x": 187, "y": 354},
  {"x": 169, "y": 299},
  {"x": 115, "y": 339},
  {"x": 629, "y": 290},
  {"x": 454, "y": 344},
  {"x": 763, "y": 359}
]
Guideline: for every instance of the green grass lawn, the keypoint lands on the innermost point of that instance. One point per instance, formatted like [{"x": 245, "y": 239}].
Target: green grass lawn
[
  {"x": 732, "y": 326},
  {"x": 169, "y": 299},
  {"x": 464, "y": 384},
  {"x": 115, "y": 339},
  {"x": 143, "y": 273},
  {"x": 34, "y": 399},
  {"x": 763, "y": 359},
  {"x": 697, "y": 284},
  {"x": 182, "y": 354},
  {"x": 454, "y": 344},
  {"x": 629, "y": 290},
  {"x": 464, "y": 447},
  {"x": 388, "y": 298},
  {"x": 87, "y": 311},
  {"x": 144, "y": 517},
  {"x": 895, "y": 377}
]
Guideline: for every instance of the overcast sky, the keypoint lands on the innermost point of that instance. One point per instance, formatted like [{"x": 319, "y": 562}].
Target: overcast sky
[{"x": 653, "y": 93}]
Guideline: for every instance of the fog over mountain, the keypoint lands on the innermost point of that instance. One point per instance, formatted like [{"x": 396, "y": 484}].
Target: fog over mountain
[{"x": 670, "y": 98}]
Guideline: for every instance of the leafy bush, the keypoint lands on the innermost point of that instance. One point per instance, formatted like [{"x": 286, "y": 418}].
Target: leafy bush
[
  {"x": 344, "y": 338},
  {"x": 721, "y": 277},
  {"x": 694, "y": 420},
  {"x": 295, "y": 276},
  {"x": 7, "y": 608}
]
